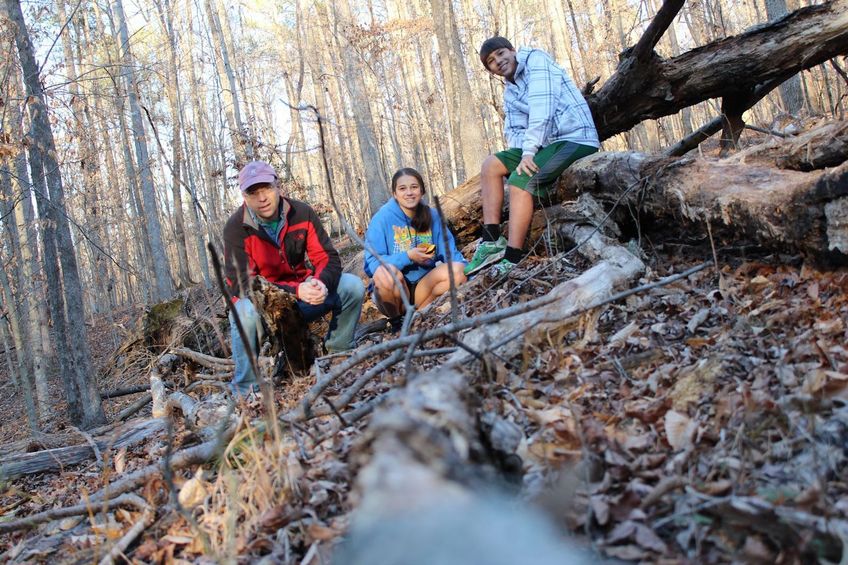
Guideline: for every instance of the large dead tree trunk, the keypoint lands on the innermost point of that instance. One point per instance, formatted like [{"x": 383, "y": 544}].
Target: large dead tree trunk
[
  {"x": 433, "y": 448},
  {"x": 780, "y": 193},
  {"x": 783, "y": 209},
  {"x": 646, "y": 86},
  {"x": 740, "y": 69}
]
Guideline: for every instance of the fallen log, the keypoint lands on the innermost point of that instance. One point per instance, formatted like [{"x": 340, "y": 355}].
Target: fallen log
[
  {"x": 118, "y": 392},
  {"x": 783, "y": 209},
  {"x": 51, "y": 459},
  {"x": 430, "y": 447},
  {"x": 646, "y": 86}
]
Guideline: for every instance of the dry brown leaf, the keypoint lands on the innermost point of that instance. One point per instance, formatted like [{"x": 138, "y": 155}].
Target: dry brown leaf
[
  {"x": 717, "y": 488},
  {"x": 601, "y": 509},
  {"x": 194, "y": 491},
  {"x": 646, "y": 538},
  {"x": 626, "y": 552},
  {"x": 120, "y": 460},
  {"x": 319, "y": 532},
  {"x": 679, "y": 430}
]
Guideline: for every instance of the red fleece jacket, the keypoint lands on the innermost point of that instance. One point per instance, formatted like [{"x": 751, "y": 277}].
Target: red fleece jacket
[{"x": 250, "y": 251}]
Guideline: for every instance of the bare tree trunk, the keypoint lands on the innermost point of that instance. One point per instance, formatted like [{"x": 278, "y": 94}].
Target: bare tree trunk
[
  {"x": 232, "y": 110},
  {"x": 164, "y": 286},
  {"x": 80, "y": 384},
  {"x": 465, "y": 117},
  {"x": 21, "y": 372},
  {"x": 790, "y": 91},
  {"x": 172, "y": 89},
  {"x": 375, "y": 177}
]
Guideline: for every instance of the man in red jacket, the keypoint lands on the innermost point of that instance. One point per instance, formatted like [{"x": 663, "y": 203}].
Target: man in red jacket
[{"x": 274, "y": 236}]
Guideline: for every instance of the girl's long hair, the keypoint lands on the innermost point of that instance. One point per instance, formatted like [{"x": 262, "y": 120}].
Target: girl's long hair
[{"x": 421, "y": 219}]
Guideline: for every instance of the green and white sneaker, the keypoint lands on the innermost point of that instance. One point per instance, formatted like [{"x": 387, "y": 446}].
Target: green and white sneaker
[
  {"x": 488, "y": 252},
  {"x": 502, "y": 268}
]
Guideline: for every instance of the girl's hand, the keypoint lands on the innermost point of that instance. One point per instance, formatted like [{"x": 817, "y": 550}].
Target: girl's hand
[{"x": 420, "y": 256}]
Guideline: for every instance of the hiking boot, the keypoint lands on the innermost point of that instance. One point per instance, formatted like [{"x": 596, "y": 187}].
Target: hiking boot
[
  {"x": 487, "y": 253},
  {"x": 502, "y": 269}
]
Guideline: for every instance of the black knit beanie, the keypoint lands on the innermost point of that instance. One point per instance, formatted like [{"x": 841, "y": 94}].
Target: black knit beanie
[{"x": 493, "y": 44}]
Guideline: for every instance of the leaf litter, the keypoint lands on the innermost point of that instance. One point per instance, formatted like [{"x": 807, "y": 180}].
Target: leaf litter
[{"x": 697, "y": 422}]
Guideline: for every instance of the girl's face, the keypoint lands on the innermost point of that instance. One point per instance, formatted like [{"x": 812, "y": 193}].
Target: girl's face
[{"x": 408, "y": 193}]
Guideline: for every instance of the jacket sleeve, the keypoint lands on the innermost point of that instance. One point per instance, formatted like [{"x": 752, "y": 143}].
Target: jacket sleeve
[
  {"x": 543, "y": 91},
  {"x": 236, "y": 262},
  {"x": 441, "y": 252},
  {"x": 323, "y": 256},
  {"x": 377, "y": 237}
]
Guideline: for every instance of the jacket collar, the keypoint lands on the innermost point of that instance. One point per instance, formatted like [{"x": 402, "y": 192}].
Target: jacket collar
[{"x": 249, "y": 218}]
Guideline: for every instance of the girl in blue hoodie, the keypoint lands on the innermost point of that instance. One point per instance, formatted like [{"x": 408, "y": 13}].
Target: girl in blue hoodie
[{"x": 407, "y": 234}]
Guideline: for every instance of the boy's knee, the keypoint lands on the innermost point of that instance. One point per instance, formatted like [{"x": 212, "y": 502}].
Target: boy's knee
[
  {"x": 493, "y": 166},
  {"x": 459, "y": 273}
]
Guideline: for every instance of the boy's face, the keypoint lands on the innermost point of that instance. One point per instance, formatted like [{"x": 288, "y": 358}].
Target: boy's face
[{"x": 502, "y": 62}]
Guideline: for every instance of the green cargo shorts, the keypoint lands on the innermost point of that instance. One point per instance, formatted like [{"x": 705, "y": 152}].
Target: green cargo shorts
[{"x": 552, "y": 160}]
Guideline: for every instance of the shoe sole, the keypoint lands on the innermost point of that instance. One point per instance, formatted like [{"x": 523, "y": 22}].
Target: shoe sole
[{"x": 491, "y": 259}]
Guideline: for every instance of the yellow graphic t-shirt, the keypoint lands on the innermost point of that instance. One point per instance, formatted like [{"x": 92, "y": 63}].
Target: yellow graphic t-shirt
[{"x": 406, "y": 237}]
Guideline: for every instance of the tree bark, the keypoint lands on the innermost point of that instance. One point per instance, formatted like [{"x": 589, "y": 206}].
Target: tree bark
[
  {"x": 66, "y": 296},
  {"x": 375, "y": 177},
  {"x": 790, "y": 91},
  {"x": 647, "y": 86}
]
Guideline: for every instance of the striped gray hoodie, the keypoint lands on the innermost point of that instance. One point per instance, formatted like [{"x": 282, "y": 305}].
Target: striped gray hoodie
[{"x": 543, "y": 105}]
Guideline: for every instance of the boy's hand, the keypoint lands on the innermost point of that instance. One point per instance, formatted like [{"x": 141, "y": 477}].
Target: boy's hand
[{"x": 527, "y": 166}]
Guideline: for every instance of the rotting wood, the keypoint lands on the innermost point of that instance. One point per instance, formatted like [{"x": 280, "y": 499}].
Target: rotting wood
[
  {"x": 50, "y": 459},
  {"x": 424, "y": 444},
  {"x": 779, "y": 208},
  {"x": 289, "y": 331}
]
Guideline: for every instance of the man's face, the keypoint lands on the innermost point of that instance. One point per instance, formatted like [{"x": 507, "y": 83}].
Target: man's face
[
  {"x": 502, "y": 62},
  {"x": 264, "y": 200}
]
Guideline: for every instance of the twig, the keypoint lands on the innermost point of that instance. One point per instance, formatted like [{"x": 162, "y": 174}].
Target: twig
[
  {"x": 133, "y": 408},
  {"x": 614, "y": 298},
  {"x": 90, "y": 441},
  {"x": 346, "y": 398},
  {"x": 201, "y": 358},
  {"x": 115, "y": 393},
  {"x": 168, "y": 477},
  {"x": 335, "y": 410},
  {"x": 68, "y": 511},
  {"x": 449, "y": 259},
  {"x": 130, "y": 536}
]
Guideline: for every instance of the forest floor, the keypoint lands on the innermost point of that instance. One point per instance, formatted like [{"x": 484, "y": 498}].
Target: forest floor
[{"x": 705, "y": 421}]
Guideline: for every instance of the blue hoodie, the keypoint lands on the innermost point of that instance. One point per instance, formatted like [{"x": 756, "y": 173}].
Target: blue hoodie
[{"x": 391, "y": 235}]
